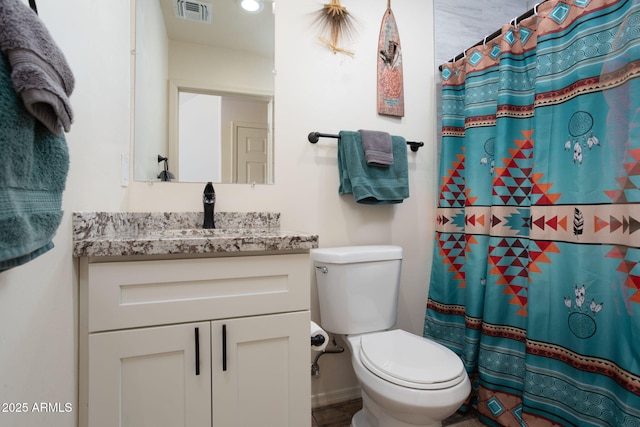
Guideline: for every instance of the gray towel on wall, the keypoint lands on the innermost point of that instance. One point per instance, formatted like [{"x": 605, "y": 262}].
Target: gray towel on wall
[
  {"x": 40, "y": 73},
  {"x": 377, "y": 147}
]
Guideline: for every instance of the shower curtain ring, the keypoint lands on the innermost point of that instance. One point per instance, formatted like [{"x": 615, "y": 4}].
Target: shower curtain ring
[
  {"x": 535, "y": 9},
  {"x": 514, "y": 22},
  {"x": 484, "y": 42}
]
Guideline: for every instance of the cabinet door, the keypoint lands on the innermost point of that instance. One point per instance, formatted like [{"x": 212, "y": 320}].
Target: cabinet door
[
  {"x": 263, "y": 379},
  {"x": 148, "y": 378}
]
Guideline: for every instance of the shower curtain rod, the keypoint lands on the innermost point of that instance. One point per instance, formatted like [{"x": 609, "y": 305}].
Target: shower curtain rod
[
  {"x": 315, "y": 136},
  {"x": 496, "y": 33}
]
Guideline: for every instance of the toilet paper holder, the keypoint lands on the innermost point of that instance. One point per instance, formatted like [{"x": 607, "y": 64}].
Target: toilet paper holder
[
  {"x": 317, "y": 340},
  {"x": 315, "y": 367}
]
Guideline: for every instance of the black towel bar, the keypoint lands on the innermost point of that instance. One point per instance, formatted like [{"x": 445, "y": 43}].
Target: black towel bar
[{"x": 315, "y": 136}]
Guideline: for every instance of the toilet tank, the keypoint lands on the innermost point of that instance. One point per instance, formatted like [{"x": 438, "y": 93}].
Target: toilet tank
[{"x": 357, "y": 287}]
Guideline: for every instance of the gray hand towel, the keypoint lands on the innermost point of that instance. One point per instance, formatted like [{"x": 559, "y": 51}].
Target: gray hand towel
[
  {"x": 377, "y": 147},
  {"x": 39, "y": 70}
]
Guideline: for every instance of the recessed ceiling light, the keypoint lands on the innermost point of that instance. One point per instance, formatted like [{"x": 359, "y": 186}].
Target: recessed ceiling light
[{"x": 251, "y": 6}]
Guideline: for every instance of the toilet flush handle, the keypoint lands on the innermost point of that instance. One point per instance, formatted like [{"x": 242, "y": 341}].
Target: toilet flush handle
[{"x": 322, "y": 268}]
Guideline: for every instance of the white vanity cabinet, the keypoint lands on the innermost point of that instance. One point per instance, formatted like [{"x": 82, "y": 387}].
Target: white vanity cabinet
[
  {"x": 145, "y": 377},
  {"x": 200, "y": 342}
]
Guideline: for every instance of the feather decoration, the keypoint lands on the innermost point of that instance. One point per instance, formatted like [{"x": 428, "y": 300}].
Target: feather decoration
[
  {"x": 578, "y": 222},
  {"x": 336, "y": 20}
]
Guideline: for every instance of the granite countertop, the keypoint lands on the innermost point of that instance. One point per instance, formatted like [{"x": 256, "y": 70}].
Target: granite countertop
[{"x": 104, "y": 234}]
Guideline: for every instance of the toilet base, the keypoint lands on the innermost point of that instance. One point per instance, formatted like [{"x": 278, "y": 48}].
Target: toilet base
[
  {"x": 372, "y": 415},
  {"x": 359, "y": 419}
]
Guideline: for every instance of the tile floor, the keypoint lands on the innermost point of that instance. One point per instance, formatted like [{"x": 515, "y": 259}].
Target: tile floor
[{"x": 339, "y": 415}]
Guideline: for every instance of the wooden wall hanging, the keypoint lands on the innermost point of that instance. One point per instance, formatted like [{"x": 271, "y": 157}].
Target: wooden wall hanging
[{"x": 390, "y": 81}]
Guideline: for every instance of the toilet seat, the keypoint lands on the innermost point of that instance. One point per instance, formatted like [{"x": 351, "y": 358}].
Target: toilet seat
[{"x": 410, "y": 361}]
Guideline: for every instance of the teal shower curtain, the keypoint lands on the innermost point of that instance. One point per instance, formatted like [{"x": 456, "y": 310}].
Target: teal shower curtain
[{"x": 536, "y": 272}]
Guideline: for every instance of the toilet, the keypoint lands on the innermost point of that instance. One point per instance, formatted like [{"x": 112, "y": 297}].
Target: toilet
[{"x": 406, "y": 380}]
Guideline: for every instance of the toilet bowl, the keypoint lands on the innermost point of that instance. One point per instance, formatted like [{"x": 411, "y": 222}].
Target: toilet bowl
[{"x": 406, "y": 380}]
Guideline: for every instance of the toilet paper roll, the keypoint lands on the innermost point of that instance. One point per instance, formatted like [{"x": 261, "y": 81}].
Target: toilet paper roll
[{"x": 316, "y": 330}]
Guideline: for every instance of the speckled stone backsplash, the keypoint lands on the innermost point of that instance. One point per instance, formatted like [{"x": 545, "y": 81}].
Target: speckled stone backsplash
[{"x": 87, "y": 225}]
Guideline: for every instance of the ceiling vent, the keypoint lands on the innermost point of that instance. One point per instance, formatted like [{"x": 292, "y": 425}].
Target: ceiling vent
[{"x": 193, "y": 10}]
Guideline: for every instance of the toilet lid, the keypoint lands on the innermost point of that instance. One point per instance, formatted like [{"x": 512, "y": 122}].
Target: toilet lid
[{"x": 410, "y": 361}]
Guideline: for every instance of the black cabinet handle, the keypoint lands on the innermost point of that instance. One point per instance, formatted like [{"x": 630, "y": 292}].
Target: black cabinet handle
[
  {"x": 224, "y": 347},
  {"x": 197, "y": 351}
]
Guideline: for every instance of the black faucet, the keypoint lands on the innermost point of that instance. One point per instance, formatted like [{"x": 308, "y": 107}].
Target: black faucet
[{"x": 209, "y": 201}]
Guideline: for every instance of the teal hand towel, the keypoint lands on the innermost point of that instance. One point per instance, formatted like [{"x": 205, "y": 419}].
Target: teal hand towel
[
  {"x": 370, "y": 184},
  {"x": 33, "y": 172}
]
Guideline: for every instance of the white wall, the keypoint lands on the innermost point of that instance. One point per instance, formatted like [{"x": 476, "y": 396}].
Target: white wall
[
  {"x": 152, "y": 68},
  {"x": 315, "y": 90},
  {"x": 38, "y": 300},
  {"x": 199, "y": 133},
  {"x": 223, "y": 69}
]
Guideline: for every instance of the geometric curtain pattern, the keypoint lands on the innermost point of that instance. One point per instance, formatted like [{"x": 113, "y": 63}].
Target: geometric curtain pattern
[{"x": 535, "y": 279}]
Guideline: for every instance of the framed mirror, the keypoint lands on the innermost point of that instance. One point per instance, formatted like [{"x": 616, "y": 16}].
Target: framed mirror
[{"x": 203, "y": 92}]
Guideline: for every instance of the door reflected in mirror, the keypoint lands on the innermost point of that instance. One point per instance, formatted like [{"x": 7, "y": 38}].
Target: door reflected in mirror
[
  {"x": 222, "y": 138},
  {"x": 214, "y": 65}
]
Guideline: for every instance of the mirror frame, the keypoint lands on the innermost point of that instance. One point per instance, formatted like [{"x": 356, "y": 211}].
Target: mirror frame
[{"x": 177, "y": 86}]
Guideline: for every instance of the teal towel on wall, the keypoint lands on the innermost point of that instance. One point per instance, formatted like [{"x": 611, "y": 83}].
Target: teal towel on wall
[
  {"x": 369, "y": 184},
  {"x": 33, "y": 172}
]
